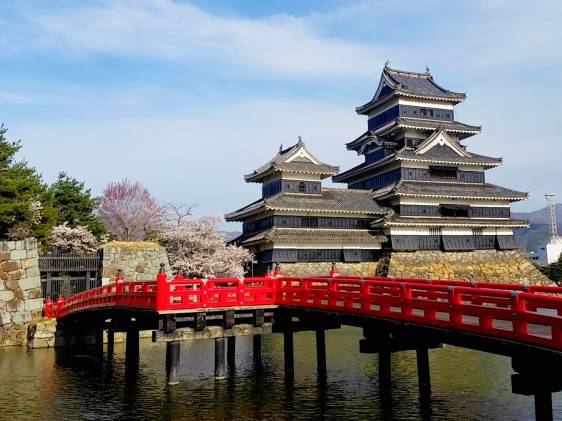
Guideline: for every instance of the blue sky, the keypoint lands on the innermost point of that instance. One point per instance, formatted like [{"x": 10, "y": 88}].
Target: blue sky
[{"x": 186, "y": 97}]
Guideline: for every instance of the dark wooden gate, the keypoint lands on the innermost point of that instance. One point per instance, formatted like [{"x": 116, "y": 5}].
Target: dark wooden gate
[{"x": 65, "y": 274}]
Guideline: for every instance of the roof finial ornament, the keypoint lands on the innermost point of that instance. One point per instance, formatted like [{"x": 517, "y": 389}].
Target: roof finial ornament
[
  {"x": 426, "y": 68},
  {"x": 280, "y": 148},
  {"x": 300, "y": 142},
  {"x": 386, "y": 63}
]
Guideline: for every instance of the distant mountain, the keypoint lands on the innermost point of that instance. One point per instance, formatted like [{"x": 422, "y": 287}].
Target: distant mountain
[
  {"x": 231, "y": 235},
  {"x": 539, "y": 232}
]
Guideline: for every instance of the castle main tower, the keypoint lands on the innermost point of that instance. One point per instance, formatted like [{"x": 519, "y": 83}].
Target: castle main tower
[{"x": 417, "y": 165}]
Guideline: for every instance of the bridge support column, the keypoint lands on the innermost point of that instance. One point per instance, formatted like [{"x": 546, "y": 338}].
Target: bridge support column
[
  {"x": 424, "y": 379},
  {"x": 321, "y": 352},
  {"x": 257, "y": 348},
  {"x": 110, "y": 341},
  {"x": 231, "y": 351},
  {"x": 132, "y": 346},
  {"x": 98, "y": 343},
  {"x": 288, "y": 354},
  {"x": 172, "y": 361},
  {"x": 384, "y": 372},
  {"x": 219, "y": 358}
]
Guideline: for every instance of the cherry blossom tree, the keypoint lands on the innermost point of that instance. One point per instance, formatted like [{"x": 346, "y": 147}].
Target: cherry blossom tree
[
  {"x": 197, "y": 248},
  {"x": 129, "y": 211},
  {"x": 78, "y": 240}
]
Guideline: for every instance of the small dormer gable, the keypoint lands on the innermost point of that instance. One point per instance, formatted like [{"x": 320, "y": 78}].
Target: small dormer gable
[
  {"x": 295, "y": 162},
  {"x": 441, "y": 142}
]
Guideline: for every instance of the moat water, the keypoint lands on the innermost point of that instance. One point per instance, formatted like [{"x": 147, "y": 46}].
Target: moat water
[{"x": 60, "y": 385}]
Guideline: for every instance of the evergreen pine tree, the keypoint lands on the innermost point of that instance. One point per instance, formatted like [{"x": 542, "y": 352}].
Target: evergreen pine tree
[
  {"x": 25, "y": 202},
  {"x": 75, "y": 204}
]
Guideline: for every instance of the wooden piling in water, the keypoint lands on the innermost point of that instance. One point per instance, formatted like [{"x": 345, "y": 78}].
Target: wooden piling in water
[
  {"x": 219, "y": 358},
  {"x": 172, "y": 362}
]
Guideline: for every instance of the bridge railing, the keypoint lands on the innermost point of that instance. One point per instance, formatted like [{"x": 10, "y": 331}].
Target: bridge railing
[
  {"x": 170, "y": 295},
  {"x": 530, "y": 314}
]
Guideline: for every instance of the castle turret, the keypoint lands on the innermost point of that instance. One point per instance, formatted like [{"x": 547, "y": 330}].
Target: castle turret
[{"x": 297, "y": 220}]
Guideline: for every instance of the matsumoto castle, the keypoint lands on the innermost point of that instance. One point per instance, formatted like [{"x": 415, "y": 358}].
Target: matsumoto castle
[{"x": 419, "y": 187}]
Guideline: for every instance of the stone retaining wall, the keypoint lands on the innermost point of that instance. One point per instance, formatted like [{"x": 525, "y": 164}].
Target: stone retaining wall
[
  {"x": 138, "y": 260},
  {"x": 20, "y": 290},
  {"x": 509, "y": 266},
  {"x": 323, "y": 268}
]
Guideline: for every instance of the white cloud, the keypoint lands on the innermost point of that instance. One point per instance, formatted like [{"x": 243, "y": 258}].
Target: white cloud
[{"x": 163, "y": 29}]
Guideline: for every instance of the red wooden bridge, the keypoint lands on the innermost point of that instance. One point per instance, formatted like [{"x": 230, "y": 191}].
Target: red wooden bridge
[{"x": 523, "y": 322}]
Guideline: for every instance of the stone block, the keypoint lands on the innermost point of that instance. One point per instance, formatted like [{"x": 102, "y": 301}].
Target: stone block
[
  {"x": 30, "y": 282},
  {"x": 32, "y": 293},
  {"x": 4, "y": 255},
  {"x": 5, "y": 318},
  {"x": 30, "y": 244},
  {"x": 9, "y": 266},
  {"x": 11, "y": 245},
  {"x": 34, "y": 304},
  {"x": 21, "y": 317},
  {"x": 6, "y": 295},
  {"x": 32, "y": 272},
  {"x": 16, "y": 274},
  {"x": 32, "y": 253},
  {"x": 20, "y": 245},
  {"x": 29, "y": 263},
  {"x": 2, "y": 285},
  {"x": 11, "y": 284},
  {"x": 3, "y": 275},
  {"x": 18, "y": 254}
]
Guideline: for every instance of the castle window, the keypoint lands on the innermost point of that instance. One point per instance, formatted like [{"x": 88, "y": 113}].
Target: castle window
[
  {"x": 443, "y": 172},
  {"x": 454, "y": 211},
  {"x": 310, "y": 222},
  {"x": 302, "y": 187},
  {"x": 435, "y": 232}
]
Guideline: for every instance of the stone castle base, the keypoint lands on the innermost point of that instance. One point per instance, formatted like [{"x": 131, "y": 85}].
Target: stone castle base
[
  {"x": 323, "y": 268},
  {"x": 507, "y": 266}
]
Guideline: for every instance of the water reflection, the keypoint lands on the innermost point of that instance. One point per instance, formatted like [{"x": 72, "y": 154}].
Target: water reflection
[{"x": 62, "y": 385}]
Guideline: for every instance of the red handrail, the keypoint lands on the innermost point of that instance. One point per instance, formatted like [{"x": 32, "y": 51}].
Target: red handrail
[{"x": 531, "y": 314}]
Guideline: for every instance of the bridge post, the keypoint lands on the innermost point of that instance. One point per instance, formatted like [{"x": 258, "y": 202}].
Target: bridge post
[
  {"x": 321, "y": 352},
  {"x": 110, "y": 341},
  {"x": 424, "y": 377},
  {"x": 543, "y": 406},
  {"x": 256, "y": 348},
  {"x": 172, "y": 361},
  {"x": 219, "y": 358},
  {"x": 98, "y": 342},
  {"x": 288, "y": 354},
  {"x": 132, "y": 345},
  {"x": 231, "y": 351},
  {"x": 384, "y": 372}
]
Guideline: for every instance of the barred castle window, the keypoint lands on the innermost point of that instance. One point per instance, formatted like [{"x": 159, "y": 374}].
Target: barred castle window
[
  {"x": 302, "y": 187},
  {"x": 436, "y": 232}
]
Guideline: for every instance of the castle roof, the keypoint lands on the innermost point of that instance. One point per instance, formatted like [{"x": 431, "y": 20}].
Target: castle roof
[
  {"x": 449, "y": 190},
  {"x": 314, "y": 236},
  {"x": 330, "y": 200},
  {"x": 411, "y": 84},
  {"x": 397, "y": 220},
  {"x": 441, "y": 154},
  {"x": 295, "y": 159}
]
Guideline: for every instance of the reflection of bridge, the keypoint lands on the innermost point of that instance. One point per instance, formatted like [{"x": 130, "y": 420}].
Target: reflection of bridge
[{"x": 524, "y": 323}]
